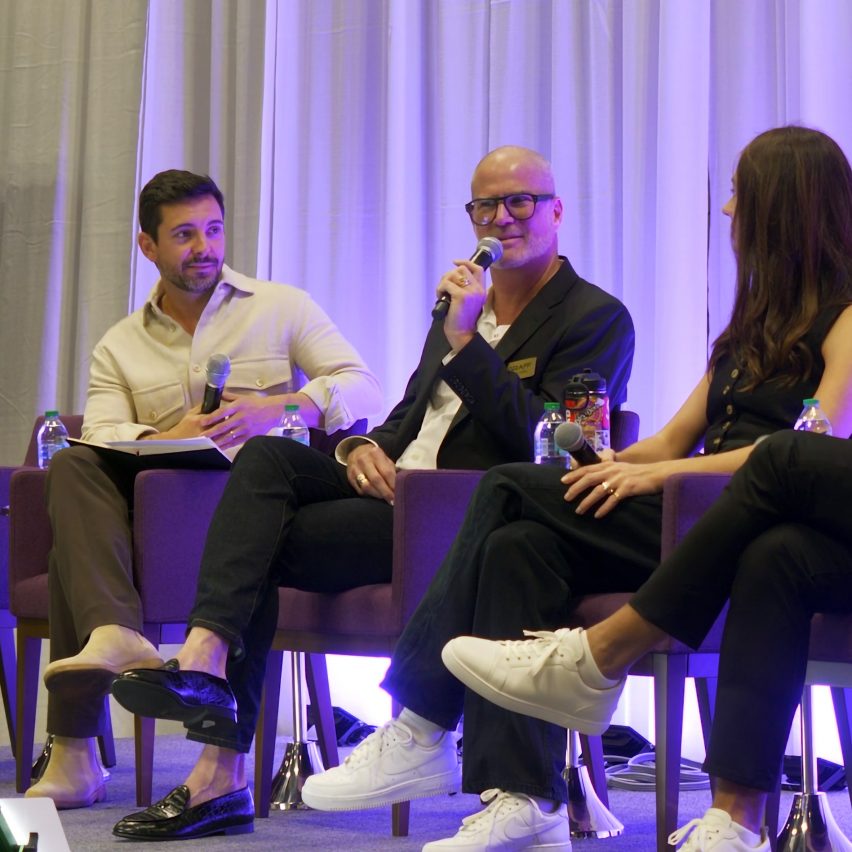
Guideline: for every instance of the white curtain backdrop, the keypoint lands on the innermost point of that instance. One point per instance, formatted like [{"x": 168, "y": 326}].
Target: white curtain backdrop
[{"x": 344, "y": 133}]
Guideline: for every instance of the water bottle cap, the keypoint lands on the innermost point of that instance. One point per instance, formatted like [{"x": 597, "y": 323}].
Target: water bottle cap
[
  {"x": 291, "y": 407},
  {"x": 552, "y": 406},
  {"x": 48, "y": 414},
  {"x": 594, "y": 382},
  {"x": 808, "y": 402}
]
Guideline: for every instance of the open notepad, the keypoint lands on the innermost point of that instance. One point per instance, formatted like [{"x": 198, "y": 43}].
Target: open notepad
[{"x": 194, "y": 453}]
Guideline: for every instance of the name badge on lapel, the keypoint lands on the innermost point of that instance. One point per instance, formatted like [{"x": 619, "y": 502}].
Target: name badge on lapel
[{"x": 522, "y": 369}]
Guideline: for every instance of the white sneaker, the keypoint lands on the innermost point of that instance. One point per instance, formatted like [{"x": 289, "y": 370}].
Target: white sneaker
[
  {"x": 537, "y": 677},
  {"x": 387, "y": 767},
  {"x": 714, "y": 831},
  {"x": 511, "y": 821}
]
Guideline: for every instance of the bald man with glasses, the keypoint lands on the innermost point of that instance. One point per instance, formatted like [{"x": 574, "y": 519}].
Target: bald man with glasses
[{"x": 293, "y": 517}]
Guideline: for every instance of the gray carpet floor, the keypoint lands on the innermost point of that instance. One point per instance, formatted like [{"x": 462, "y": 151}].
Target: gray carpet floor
[{"x": 365, "y": 831}]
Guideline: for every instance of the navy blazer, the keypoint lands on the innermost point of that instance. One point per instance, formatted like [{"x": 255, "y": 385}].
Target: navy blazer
[{"x": 569, "y": 324}]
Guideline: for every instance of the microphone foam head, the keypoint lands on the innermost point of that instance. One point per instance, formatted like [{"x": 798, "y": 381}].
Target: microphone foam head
[
  {"x": 493, "y": 246},
  {"x": 569, "y": 436},
  {"x": 218, "y": 370}
]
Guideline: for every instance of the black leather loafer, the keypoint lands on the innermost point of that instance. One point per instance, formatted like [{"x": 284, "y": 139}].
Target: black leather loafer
[
  {"x": 171, "y": 819},
  {"x": 168, "y": 693}
]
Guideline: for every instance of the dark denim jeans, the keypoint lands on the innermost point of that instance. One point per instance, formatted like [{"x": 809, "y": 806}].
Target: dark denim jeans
[{"x": 520, "y": 558}]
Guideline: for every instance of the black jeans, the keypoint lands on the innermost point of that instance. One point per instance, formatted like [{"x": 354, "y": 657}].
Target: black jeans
[
  {"x": 778, "y": 544},
  {"x": 288, "y": 517},
  {"x": 519, "y": 559}
]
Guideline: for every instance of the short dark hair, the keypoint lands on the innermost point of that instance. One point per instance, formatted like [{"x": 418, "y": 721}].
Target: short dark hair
[{"x": 171, "y": 187}]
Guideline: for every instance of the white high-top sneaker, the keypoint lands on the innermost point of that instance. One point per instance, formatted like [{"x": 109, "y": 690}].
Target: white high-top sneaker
[
  {"x": 511, "y": 821},
  {"x": 714, "y": 832},
  {"x": 536, "y": 677},
  {"x": 387, "y": 767}
]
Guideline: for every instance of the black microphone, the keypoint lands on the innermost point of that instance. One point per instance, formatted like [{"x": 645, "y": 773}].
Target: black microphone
[
  {"x": 488, "y": 250},
  {"x": 218, "y": 370},
  {"x": 569, "y": 437}
]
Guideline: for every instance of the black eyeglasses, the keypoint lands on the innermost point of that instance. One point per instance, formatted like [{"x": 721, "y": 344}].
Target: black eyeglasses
[{"x": 520, "y": 205}]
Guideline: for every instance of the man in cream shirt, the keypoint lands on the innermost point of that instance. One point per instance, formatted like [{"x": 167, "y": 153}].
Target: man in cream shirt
[{"x": 147, "y": 381}]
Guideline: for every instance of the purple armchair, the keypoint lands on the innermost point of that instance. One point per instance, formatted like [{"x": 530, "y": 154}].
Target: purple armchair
[
  {"x": 29, "y": 540},
  {"x": 429, "y": 507},
  {"x": 171, "y": 514},
  {"x": 685, "y": 498}
]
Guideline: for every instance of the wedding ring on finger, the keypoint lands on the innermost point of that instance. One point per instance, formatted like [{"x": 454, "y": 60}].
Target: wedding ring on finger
[
  {"x": 605, "y": 486},
  {"x": 361, "y": 480},
  {"x": 616, "y": 494}
]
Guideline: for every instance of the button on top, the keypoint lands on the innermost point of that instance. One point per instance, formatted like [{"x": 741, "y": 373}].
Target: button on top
[
  {"x": 726, "y": 390},
  {"x": 259, "y": 382},
  {"x": 735, "y": 372},
  {"x": 196, "y": 368},
  {"x": 729, "y": 409}
]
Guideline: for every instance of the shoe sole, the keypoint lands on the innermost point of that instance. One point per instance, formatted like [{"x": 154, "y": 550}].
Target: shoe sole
[
  {"x": 157, "y": 702},
  {"x": 518, "y": 705},
  {"x": 229, "y": 830},
  {"x": 422, "y": 788},
  {"x": 81, "y": 680},
  {"x": 80, "y": 684},
  {"x": 97, "y": 795}
]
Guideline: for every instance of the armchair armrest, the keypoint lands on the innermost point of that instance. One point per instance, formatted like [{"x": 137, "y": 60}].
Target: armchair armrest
[
  {"x": 172, "y": 511},
  {"x": 429, "y": 506},
  {"x": 5, "y": 482},
  {"x": 686, "y": 497}
]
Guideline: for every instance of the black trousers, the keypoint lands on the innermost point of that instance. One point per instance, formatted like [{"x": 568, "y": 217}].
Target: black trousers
[
  {"x": 778, "y": 544},
  {"x": 519, "y": 559},
  {"x": 288, "y": 517}
]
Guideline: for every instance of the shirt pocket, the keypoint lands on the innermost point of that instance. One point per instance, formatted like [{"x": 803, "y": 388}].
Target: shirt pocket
[
  {"x": 161, "y": 406},
  {"x": 268, "y": 375}
]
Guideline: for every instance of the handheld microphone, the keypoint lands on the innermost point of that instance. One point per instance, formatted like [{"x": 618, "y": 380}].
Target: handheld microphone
[
  {"x": 218, "y": 369},
  {"x": 488, "y": 250},
  {"x": 569, "y": 437}
]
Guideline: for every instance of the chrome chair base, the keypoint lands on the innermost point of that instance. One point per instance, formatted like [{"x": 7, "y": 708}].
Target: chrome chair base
[
  {"x": 301, "y": 760},
  {"x": 587, "y": 814},
  {"x": 811, "y": 827},
  {"x": 42, "y": 760}
]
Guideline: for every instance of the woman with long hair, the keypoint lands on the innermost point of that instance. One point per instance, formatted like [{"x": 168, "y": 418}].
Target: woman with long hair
[{"x": 528, "y": 547}]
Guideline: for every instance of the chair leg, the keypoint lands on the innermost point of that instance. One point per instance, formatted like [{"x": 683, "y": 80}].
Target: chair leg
[
  {"x": 400, "y": 812},
  {"x": 592, "y": 748},
  {"x": 29, "y": 652},
  {"x": 316, "y": 675},
  {"x": 267, "y": 723},
  {"x": 842, "y": 698},
  {"x": 7, "y": 679},
  {"x": 143, "y": 729},
  {"x": 811, "y": 825},
  {"x": 669, "y": 681},
  {"x": 705, "y": 693},
  {"x": 106, "y": 743},
  {"x": 301, "y": 758},
  {"x": 588, "y": 812}
]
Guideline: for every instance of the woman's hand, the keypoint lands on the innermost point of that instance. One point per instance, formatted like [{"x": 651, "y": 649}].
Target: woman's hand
[{"x": 606, "y": 484}]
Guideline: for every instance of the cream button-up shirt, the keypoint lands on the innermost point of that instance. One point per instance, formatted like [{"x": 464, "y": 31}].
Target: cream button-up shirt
[{"x": 147, "y": 371}]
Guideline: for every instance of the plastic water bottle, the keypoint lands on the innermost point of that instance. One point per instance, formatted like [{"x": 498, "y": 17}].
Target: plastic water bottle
[
  {"x": 546, "y": 451},
  {"x": 51, "y": 438},
  {"x": 293, "y": 426},
  {"x": 812, "y": 419}
]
